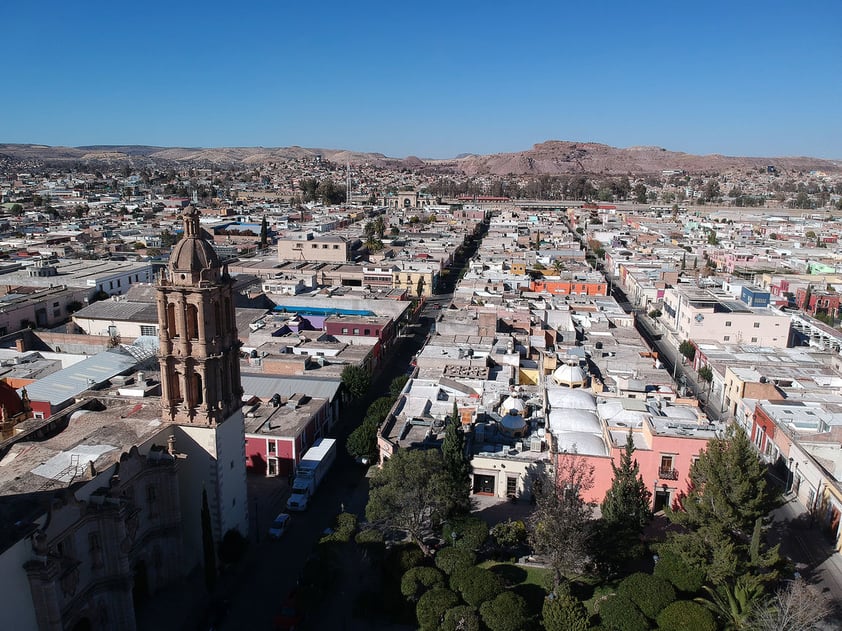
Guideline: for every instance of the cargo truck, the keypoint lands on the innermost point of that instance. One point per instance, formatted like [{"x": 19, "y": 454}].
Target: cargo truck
[{"x": 310, "y": 472}]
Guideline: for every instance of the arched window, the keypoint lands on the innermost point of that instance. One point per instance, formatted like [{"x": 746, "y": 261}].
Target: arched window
[
  {"x": 171, "y": 325},
  {"x": 175, "y": 388},
  {"x": 192, "y": 322},
  {"x": 198, "y": 399}
]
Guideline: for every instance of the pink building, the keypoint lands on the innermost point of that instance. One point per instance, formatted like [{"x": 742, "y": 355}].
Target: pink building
[{"x": 667, "y": 436}]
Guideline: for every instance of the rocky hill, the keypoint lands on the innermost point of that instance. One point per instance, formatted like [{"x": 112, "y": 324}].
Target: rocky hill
[
  {"x": 561, "y": 157},
  {"x": 548, "y": 158}
]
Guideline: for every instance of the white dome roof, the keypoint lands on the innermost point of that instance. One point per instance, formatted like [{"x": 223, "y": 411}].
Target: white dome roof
[
  {"x": 569, "y": 375},
  {"x": 562, "y": 421},
  {"x": 581, "y": 443},
  {"x": 568, "y": 398},
  {"x": 512, "y": 404}
]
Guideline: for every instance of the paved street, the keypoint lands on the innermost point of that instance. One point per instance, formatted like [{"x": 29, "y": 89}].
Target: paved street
[{"x": 803, "y": 542}]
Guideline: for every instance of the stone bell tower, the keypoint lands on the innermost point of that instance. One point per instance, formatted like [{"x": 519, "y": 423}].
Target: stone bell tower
[
  {"x": 200, "y": 368},
  {"x": 201, "y": 387}
]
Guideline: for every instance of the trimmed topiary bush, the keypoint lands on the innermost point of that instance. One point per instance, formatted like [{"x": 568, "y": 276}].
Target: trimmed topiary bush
[
  {"x": 476, "y": 585},
  {"x": 402, "y": 558},
  {"x": 674, "y": 569},
  {"x": 471, "y": 532},
  {"x": 506, "y": 612},
  {"x": 449, "y": 560},
  {"x": 432, "y": 606},
  {"x": 418, "y": 580},
  {"x": 618, "y": 613},
  {"x": 650, "y": 593},
  {"x": 564, "y": 612},
  {"x": 685, "y": 615},
  {"x": 461, "y": 618}
]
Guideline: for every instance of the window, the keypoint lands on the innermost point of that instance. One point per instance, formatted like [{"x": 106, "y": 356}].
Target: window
[
  {"x": 727, "y": 323},
  {"x": 335, "y": 247},
  {"x": 272, "y": 447},
  {"x": 345, "y": 330},
  {"x": 725, "y": 338},
  {"x": 754, "y": 339},
  {"x": 55, "y": 304},
  {"x": 368, "y": 331},
  {"x": 146, "y": 329},
  {"x": 756, "y": 325},
  {"x": 356, "y": 331}
]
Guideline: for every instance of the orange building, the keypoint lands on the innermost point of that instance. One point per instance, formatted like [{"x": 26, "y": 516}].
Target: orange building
[{"x": 566, "y": 287}]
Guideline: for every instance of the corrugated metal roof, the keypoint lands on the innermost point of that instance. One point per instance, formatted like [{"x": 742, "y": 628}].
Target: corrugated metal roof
[
  {"x": 264, "y": 386},
  {"x": 73, "y": 380},
  {"x": 123, "y": 310}
]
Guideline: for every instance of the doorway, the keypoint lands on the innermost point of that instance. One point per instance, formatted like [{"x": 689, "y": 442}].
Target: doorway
[
  {"x": 662, "y": 499},
  {"x": 484, "y": 484}
]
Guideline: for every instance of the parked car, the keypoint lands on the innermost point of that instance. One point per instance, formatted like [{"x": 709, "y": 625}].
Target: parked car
[{"x": 279, "y": 526}]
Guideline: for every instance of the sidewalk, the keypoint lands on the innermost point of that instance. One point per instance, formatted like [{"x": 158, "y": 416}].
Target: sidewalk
[{"x": 803, "y": 542}]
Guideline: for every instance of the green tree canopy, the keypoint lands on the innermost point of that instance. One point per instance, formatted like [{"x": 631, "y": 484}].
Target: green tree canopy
[
  {"x": 564, "y": 612},
  {"x": 411, "y": 493},
  {"x": 506, "y": 612},
  {"x": 727, "y": 497},
  {"x": 627, "y": 503},
  {"x": 456, "y": 463},
  {"x": 357, "y": 380},
  {"x": 688, "y": 349},
  {"x": 432, "y": 606}
]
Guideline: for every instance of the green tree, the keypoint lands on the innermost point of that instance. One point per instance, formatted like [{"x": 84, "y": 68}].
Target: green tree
[
  {"x": 625, "y": 512},
  {"x": 706, "y": 374},
  {"x": 727, "y": 494},
  {"x": 618, "y": 613},
  {"x": 506, "y": 612},
  {"x": 476, "y": 585},
  {"x": 561, "y": 522},
  {"x": 640, "y": 193},
  {"x": 688, "y": 349},
  {"x": 650, "y": 593},
  {"x": 456, "y": 463},
  {"x": 264, "y": 232},
  {"x": 412, "y": 493},
  {"x": 564, "y": 612},
  {"x": 396, "y": 387},
  {"x": 450, "y": 560},
  {"x": 683, "y": 576},
  {"x": 356, "y": 380},
  {"x": 362, "y": 442},
  {"x": 461, "y": 618},
  {"x": 417, "y": 580},
  {"x": 509, "y": 534},
  {"x": 683, "y": 615},
  {"x": 208, "y": 547},
  {"x": 432, "y": 606},
  {"x": 627, "y": 503}
]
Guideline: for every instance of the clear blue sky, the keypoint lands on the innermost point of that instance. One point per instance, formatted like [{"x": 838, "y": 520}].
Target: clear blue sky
[{"x": 426, "y": 78}]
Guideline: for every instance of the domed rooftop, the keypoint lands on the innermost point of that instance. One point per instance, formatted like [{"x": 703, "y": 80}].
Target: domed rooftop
[
  {"x": 512, "y": 404},
  {"x": 567, "y": 398},
  {"x": 562, "y": 421},
  {"x": 193, "y": 258},
  {"x": 512, "y": 425},
  {"x": 570, "y": 375}
]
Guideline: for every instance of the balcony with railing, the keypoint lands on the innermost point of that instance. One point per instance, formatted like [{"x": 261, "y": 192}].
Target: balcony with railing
[{"x": 667, "y": 474}]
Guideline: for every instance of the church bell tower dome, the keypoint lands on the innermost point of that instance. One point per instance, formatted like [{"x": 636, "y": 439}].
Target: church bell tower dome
[{"x": 193, "y": 259}]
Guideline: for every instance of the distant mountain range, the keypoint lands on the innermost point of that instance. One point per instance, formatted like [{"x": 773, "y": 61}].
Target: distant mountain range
[{"x": 554, "y": 157}]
